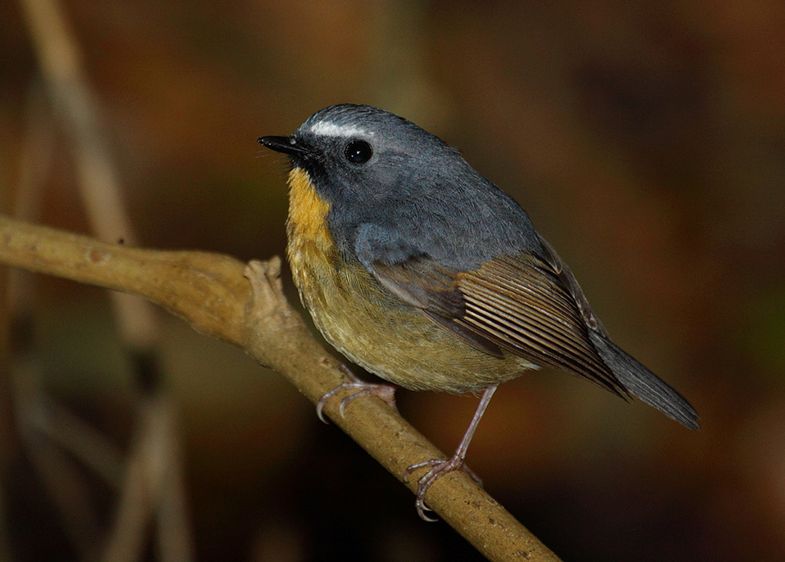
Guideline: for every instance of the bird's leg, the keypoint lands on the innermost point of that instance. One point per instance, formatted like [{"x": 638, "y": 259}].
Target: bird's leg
[
  {"x": 440, "y": 467},
  {"x": 358, "y": 388}
]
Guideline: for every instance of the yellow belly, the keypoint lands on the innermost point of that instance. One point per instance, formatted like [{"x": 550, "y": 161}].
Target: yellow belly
[{"x": 369, "y": 325}]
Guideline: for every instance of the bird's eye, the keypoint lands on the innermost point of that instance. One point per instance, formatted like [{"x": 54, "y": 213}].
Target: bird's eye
[{"x": 358, "y": 151}]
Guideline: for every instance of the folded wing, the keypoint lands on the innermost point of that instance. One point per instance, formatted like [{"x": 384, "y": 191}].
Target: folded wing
[{"x": 513, "y": 303}]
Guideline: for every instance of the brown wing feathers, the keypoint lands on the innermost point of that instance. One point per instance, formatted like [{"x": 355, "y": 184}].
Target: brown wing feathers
[
  {"x": 427, "y": 285},
  {"x": 522, "y": 307},
  {"x": 517, "y": 303}
]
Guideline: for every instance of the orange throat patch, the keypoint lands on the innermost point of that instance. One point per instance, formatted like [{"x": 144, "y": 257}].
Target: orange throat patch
[
  {"x": 307, "y": 220},
  {"x": 310, "y": 242}
]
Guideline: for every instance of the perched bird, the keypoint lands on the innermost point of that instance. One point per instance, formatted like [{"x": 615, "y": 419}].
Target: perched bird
[{"x": 420, "y": 270}]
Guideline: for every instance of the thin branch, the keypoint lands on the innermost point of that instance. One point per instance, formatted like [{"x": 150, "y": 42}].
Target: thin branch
[
  {"x": 100, "y": 187},
  {"x": 143, "y": 479},
  {"x": 61, "y": 66},
  {"x": 80, "y": 439},
  {"x": 209, "y": 291},
  {"x": 49, "y": 434},
  {"x": 63, "y": 482},
  {"x": 172, "y": 511}
]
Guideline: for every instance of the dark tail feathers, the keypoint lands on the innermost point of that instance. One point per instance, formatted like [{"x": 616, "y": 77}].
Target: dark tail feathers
[{"x": 644, "y": 384}]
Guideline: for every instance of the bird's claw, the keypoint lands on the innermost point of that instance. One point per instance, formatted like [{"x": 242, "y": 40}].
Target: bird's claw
[
  {"x": 438, "y": 468},
  {"x": 359, "y": 388}
]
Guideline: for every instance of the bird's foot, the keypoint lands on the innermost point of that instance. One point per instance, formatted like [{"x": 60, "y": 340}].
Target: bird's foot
[
  {"x": 358, "y": 388},
  {"x": 438, "y": 468}
]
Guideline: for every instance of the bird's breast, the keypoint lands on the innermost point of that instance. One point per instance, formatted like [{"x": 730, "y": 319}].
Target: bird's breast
[{"x": 366, "y": 322}]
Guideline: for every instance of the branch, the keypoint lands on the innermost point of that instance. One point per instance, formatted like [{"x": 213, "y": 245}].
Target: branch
[
  {"x": 99, "y": 185},
  {"x": 209, "y": 292}
]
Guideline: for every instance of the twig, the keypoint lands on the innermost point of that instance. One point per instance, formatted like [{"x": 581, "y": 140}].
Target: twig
[
  {"x": 171, "y": 510},
  {"x": 64, "y": 484},
  {"x": 209, "y": 291},
  {"x": 62, "y": 481},
  {"x": 80, "y": 439},
  {"x": 58, "y": 52},
  {"x": 62, "y": 69},
  {"x": 143, "y": 480}
]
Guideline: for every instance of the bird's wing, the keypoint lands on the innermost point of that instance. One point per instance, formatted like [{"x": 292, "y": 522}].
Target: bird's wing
[
  {"x": 423, "y": 283},
  {"x": 636, "y": 378},
  {"x": 518, "y": 303},
  {"x": 568, "y": 280}
]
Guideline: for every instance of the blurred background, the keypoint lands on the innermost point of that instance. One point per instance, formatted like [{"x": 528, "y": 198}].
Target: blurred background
[{"x": 646, "y": 141}]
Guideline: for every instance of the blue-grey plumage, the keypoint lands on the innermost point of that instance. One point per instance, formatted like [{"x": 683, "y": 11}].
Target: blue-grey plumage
[
  {"x": 416, "y": 216},
  {"x": 422, "y": 271},
  {"x": 415, "y": 186}
]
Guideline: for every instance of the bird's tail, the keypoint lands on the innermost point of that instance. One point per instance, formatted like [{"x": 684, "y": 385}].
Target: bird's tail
[{"x": 644, "y": 384}]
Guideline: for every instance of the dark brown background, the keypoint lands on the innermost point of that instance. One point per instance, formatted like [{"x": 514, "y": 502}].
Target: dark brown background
[{"x": 648, "y": 144}]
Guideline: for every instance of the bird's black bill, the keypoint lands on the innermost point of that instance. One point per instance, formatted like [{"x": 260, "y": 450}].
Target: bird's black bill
[{"x": 287, "y": 145}]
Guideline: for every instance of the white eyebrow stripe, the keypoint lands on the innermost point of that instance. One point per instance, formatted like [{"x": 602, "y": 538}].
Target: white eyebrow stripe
[{"x": 332, "y": 130}]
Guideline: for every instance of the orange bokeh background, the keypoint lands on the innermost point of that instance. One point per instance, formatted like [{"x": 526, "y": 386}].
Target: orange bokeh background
[{"x": 646, "y": 141}]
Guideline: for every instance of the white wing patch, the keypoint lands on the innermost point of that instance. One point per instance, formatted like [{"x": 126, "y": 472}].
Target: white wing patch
[{"x": 327, "y": 129}]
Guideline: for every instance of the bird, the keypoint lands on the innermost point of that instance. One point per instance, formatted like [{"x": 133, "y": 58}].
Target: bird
[{"x": 420, "y": 270}]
